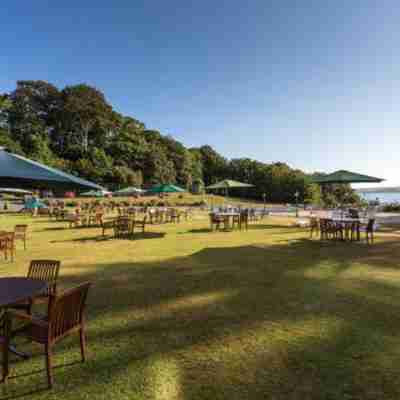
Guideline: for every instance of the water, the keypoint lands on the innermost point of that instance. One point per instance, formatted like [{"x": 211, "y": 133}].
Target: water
[{"x": 382, "y": 196}]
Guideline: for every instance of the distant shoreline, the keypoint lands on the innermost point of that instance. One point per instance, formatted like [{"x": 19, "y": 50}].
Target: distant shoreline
[{"x": 379, "y": 190}]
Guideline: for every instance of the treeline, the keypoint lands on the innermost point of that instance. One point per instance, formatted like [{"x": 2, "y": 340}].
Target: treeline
[{"x": 77, "y": 130}]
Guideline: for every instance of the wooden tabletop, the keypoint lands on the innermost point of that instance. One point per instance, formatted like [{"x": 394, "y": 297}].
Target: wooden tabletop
[
  {"x": 227, "y": 214},
  {"x": 346, "y": 219},
  {"x": 14, "y": 290}
]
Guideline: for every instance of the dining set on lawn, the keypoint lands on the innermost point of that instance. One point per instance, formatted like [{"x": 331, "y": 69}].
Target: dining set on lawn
[
  {"x": 229, "y": 218},
  {"x": 33, "y": 308},
  {"x": 342, "y": 225},
  {"x": 135, "y": 219}
]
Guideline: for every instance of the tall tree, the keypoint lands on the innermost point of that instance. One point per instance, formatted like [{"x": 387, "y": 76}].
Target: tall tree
[
  {"x": 86, "y": 117},
  {"x": 34, "y": 112},
  {"x": 215, "y": 167}
]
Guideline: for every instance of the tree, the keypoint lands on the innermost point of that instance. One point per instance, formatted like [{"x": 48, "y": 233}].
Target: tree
[
  {"x": 215, "y": 167},
  {"x": 123, "y": 176},
  {"x": 7, "y": 142},
  {"x": 86, "y": 117},
  {"x": 5, "y": 106},
  {"x": 158, "y": 168},
  {"x": 33, "y": 114},
  {"x": 181, "y": 159}
]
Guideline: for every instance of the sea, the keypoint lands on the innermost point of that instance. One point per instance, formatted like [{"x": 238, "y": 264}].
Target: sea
[{"x": 383, "y": 197}]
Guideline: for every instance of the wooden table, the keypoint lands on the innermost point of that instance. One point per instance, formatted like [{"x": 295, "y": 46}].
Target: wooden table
[
  {"x": 347, "y": 224},
  {"x": 15, "y": 290},
  {"x": 227, "y": 216}
]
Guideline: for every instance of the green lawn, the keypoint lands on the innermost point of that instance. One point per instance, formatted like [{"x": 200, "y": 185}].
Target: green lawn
[{"x": 188, "y": 314}]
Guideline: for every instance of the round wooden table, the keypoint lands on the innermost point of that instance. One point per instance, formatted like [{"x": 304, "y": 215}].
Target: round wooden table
[{"x": 15, "y": 290}]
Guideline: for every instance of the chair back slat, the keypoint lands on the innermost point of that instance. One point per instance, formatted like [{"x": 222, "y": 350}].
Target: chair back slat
[
  {"x": 66, "y": 311},
  {"x": 20, "y": 229},
  {"x": 45, "y": 270}
]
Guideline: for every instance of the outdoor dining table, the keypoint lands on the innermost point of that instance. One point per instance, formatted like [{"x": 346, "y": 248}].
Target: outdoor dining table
[
  {"x": 14, "y": 290},
  {"x": 347, "y": 224},
  {"x": 228, "y": 217}
]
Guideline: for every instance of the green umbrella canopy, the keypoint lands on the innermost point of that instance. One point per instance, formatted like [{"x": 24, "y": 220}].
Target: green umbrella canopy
[
  {"x": 228, "y": 184},
  {"x": 129, "y": 190},
  {"x": 165, "y": 188},
  {"x": 343, "y": 176}
]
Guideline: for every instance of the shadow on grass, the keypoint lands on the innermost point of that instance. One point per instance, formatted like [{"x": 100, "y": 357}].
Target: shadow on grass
[
  {"x": 56, "y": 228},
  {"x": 250, "y": 322},
  {"x": 101, "y": 238},
  {"x": 278, "y": 229}
]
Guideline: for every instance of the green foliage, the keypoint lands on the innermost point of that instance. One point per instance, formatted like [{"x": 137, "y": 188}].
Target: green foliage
[
  {"x": 7, "y": 142},
  {"x": 392, "y": 207},
  {"x": 313, "y": 194},
  {"x": 77, "y": 130},
  {"x": 339, "y": 194}
]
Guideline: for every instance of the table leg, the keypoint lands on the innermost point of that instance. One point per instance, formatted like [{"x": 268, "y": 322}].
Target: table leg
[{"x": 12, "y": 349}]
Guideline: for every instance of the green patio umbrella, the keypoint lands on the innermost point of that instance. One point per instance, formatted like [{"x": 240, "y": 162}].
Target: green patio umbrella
[
  {"x": 130, "y": 190},
  {"x": 165, "y": 188},
  {"x": 343, "y": 176}
]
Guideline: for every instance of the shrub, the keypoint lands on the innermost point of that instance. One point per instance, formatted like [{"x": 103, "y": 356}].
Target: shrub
[{"x": 392, "y": 207}]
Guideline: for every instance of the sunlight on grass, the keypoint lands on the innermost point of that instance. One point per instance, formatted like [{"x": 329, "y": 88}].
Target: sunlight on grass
[
  {"x": 163, "y": 379},
  {"x": 189, "y": 314}
]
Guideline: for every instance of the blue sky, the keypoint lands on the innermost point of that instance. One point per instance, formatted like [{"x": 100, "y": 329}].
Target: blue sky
[{"x": 314, "y": 83}]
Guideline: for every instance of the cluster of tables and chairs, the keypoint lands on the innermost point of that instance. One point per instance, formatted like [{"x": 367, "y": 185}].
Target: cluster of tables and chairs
[
  {"x": 63, "y": 313},
  {"x": 132, "y": 219},
  {"x": 230, "y": 218},
  {"x": 342, "y": 225}
]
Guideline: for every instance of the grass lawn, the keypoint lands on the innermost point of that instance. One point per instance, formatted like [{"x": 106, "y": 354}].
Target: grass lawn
[{"x": 187, "y": 314}]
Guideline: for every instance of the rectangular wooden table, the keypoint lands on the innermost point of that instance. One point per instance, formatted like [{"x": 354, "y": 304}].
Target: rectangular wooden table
[{"x": 228, "y": 217}]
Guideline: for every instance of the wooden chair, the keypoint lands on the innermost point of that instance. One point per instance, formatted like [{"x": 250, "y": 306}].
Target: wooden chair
[
  {"x": 66, "y": 316},
  {"x": 20, "y": 233},
  {"x": 314, "y": 226},
  {"x": 106, "y": 225},
  {"x": 7, "y": 244},
  {"x": 244, "y": 220},
  {"x": 354, "y": 231},
  {"x": 139, "y": 223},
  {"x": 236, "y": 221},
  {"x": 44, "y": 270},
  {"x": 122, "y": 227},
  {"x": 175, "y": 216},
  {"x": 323, "y": 229},
  {"x": 334, "y": 230},
  {"x": 216, "y": 221},
  {"x": 369, "y": 231}
]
